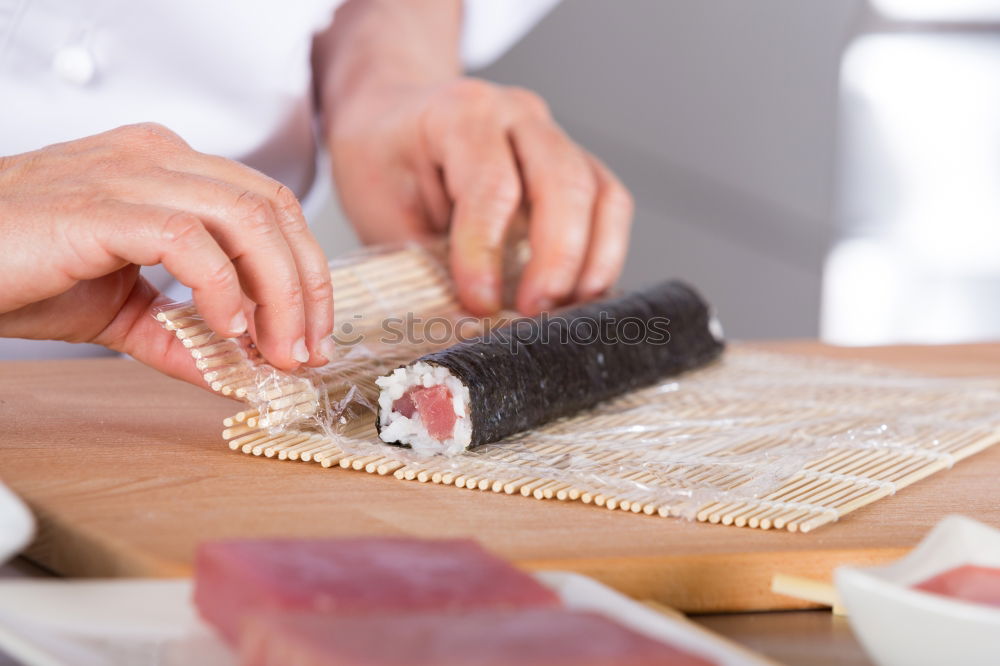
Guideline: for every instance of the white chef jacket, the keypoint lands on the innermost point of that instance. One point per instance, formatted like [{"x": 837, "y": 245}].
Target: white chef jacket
[{"x": 232, "y": 77}]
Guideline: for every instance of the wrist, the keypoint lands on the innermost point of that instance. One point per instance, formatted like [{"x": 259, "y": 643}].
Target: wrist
[{"x": 378, "y": 50}]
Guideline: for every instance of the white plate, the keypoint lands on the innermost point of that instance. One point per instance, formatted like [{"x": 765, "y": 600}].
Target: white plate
[
  {"x": 16, "y": 524},
  {"x": 152, "y": 622},
  {"x": 902, "y": 626}
]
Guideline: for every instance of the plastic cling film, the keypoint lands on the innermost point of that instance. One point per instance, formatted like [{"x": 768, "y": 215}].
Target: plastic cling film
[
  {"x": 756, "y": 439},
  {"x": 234, "y": 368}
]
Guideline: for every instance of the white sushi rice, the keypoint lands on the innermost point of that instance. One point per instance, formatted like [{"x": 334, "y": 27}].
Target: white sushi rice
[
  {"x": 715, "y": 327},
  {"x": 399, "y": 428}
]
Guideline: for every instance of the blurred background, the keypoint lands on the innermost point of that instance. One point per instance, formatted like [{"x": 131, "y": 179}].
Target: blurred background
[{"x": 815, "y": 168}]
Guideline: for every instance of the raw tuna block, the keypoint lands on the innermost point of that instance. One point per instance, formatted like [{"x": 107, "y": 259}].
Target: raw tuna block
[
  {"x": 355, "y": 577},
  {"x": 526, "y": 637}
]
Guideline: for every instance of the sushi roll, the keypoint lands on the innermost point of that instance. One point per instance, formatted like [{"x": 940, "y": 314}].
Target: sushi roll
[{"x": 533, "y": 371}]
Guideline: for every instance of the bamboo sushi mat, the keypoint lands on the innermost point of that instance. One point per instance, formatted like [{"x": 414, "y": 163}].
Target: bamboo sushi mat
[{"x": 757, "y": 440}]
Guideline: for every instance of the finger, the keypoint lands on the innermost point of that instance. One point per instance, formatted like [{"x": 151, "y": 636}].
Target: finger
[
  {"x": 609, "y": 237},
  {"x": 247, "y": 228},
  {"x": 561, "y": 188},
  {"x": 482, "y": 178},
  {"x": 437, "y": 206},
  {"x": 129, "y": 326},
  {"x": 148, "y": 235},
  {"x": 76, "y": 315},
  {"x": 310, "y": 261}
]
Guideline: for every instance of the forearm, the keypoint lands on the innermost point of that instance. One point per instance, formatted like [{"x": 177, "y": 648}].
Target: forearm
[{"x": 375, "y": 45}]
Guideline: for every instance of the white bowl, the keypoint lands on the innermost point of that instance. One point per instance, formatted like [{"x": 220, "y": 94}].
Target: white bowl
[
  {"x": 902, "y": 626},
  {"x": 16, "y": 524}
]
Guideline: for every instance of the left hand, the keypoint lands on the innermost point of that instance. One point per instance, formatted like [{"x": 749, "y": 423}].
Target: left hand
[{"x": 464, "y": 157}]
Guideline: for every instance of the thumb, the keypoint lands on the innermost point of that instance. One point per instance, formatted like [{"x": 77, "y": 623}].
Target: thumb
[{"x": 136, "y": 332}]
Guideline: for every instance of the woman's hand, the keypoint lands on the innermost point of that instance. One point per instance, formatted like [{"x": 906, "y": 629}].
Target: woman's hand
[
  {"x": 417, "y": 149},
  {"x": 77, "y": 220}
]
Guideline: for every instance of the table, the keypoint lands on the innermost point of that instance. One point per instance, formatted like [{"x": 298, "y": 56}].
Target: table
[{"x": 125, "y": 483}]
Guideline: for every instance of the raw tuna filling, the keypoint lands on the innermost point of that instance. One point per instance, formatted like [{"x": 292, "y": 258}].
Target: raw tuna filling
[
  {"x": 435, "y": 406},
  {"x": 969, "y": 582}
]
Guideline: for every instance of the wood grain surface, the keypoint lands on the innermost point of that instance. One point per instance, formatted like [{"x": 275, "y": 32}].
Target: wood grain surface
[{"x": 126, "y": 473}]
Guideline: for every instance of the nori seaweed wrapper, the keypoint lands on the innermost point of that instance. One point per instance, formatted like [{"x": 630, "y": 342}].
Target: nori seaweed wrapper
[{"x": 533, "y": 371}]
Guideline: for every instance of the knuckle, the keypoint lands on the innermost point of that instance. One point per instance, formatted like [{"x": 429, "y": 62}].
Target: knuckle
[
  {"x": 499, "y": 189},
  {"x": 286, "y": 199},
  {"x": 465, "y": 102},
  {"x": 254, "y": 213},
  {"x": 150, "y": 134},
  {"x": 471, "y": 91},
  {"x": 288, "y": 207},
  {"x": 222, "y": 277},
  {"x": 291, "y": 293},
  {"x": 576, "y": 184},
  {"x": 318, "y": 286},
  {"x": 183, "y": 229},
  {"x": 530, "y": 101}
]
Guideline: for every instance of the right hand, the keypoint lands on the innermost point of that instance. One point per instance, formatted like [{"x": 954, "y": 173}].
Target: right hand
[{"x": 77, "y": 220}]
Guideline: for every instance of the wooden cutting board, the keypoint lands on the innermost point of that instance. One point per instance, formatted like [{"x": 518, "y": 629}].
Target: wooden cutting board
[{"x": 126, "y": 473}]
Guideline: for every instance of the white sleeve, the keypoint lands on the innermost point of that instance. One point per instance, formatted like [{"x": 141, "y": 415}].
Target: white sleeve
[{"x": 490, "y": 27}]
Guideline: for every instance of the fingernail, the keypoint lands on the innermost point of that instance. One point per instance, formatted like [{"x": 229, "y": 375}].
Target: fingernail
[
  {"x": 299, "y": 351},
  {"x": 544, "y": 304},
  {"x": 591, "y": 290},
  {"x": 484, "y": 292},
  {"x": 328, "y": 349},
  {"x": 238, "y": 326}
]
